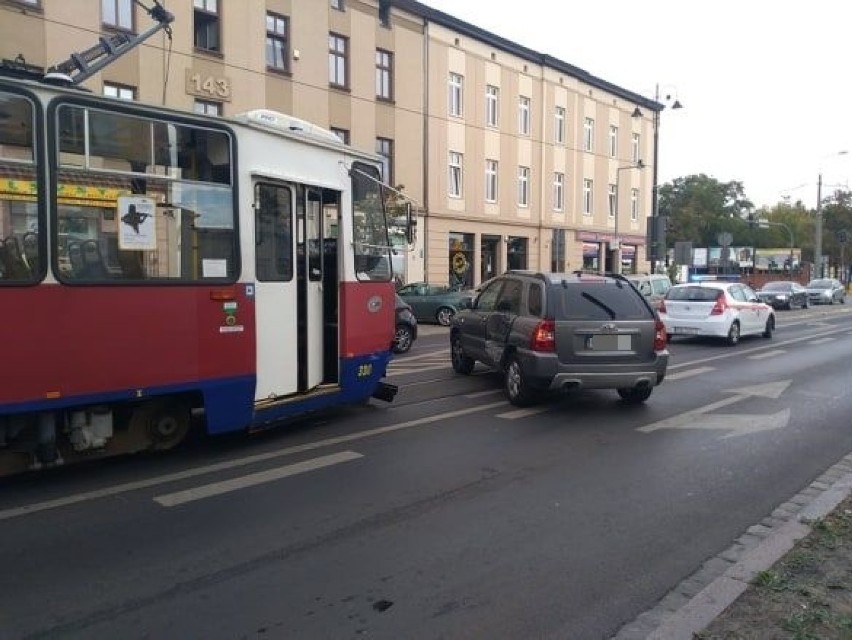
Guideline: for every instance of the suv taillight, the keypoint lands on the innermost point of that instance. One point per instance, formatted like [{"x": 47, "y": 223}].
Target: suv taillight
[
  {"x": 659, "y": 335},
  {"x": 720, "y": 306},
  {"x": 544, "y": 337}
]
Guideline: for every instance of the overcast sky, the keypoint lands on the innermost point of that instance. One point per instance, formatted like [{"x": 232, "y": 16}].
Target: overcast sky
[{"x": 765, "y": 86}]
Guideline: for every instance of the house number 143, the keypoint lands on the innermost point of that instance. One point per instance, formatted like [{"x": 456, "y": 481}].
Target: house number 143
[{"x": 211, "y": 86}]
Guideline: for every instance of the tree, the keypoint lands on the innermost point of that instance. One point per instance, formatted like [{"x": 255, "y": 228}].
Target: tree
[{"x": 699, "y": 207}]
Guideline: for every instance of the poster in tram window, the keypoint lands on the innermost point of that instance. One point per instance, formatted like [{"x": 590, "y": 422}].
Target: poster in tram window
[{"x": 137, "y": 229}]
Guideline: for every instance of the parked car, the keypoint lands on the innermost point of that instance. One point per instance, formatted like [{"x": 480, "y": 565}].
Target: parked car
[
  {"x": 653, "y": 286},
  {"x": 561, "y": 332},
  {"x": 726, "y": 310},
  {"x": 783, "y": 294},
  {"x": 434, "y": 303},
  {"x": 826, "y": 291},
  {"x": 406, "y": 327}
]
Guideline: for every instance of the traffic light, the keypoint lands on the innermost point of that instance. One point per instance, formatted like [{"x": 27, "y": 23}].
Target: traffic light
[{"x": 655, "y": 238}]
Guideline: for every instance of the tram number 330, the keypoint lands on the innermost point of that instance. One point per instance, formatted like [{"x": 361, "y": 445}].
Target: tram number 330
[{"x": 365, "y": 370}]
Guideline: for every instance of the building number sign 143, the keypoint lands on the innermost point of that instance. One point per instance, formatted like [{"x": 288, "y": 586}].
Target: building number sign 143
[{"x": 200, "y": 84}]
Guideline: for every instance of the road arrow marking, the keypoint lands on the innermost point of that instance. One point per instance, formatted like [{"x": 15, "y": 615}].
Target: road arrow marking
[
  {"x": 740, "y": 425},
  {"x": 680, "y": 375}
]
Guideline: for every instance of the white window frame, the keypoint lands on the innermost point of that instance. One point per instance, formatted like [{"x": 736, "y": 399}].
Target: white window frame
[
  {"x": 455, "y": 85},
  {"x": 612, "y": 198},
  {"x": 613, "y": 141},
  {"x": 558, "y": 191},
  {"x": 523, "y": 187},
  {"x": 634, "y": 204},
  {"x": 119, "y": 91},
  {"x": 523, "y": 115},
  {"x": 207, "y": 107},
  {"x": 492, "y": 106},
  {"x": 455, "y": 184},
  {"x": 635, "y": 147},
  {"x": 588, "y": 134},
  {"x": 491, "y": 173},
  {"x": 588, "y": 196},
  {"x": 118, "y": 13},
  {"x": 559, "y": 125}
]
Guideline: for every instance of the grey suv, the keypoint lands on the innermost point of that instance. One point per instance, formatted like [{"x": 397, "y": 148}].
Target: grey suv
[{"x": 556, "y": 331}]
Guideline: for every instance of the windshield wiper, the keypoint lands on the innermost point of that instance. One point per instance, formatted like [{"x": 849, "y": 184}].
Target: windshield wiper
[{"x": 599, "y": 303}]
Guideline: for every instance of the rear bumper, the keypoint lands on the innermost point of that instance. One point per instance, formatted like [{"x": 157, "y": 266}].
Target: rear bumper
[
  {"x": 545, "y": 371},
  {"x": 714, "y": 327}
]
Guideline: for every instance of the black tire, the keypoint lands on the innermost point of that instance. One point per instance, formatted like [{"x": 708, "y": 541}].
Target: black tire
[
  {"x": 444, "y": 316},
  {"x": 770, "y": 327},
  {"x": 461, "y": 363},
  {"x": 733, "y": 334},
  {"x": 403, "y": 338},
  {"x": 517, "y": 387},
  {"x": 805, "y": 304},
  {"x": 635, "y": 395}
]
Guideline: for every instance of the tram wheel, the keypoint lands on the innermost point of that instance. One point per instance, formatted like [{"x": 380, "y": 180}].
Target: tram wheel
[{"x": 164, "y": 422}]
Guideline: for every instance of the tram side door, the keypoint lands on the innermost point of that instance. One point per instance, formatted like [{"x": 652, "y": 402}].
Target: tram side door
[
  {"x": 285, "y": 294},
  {"x": 309, "y": 270}
]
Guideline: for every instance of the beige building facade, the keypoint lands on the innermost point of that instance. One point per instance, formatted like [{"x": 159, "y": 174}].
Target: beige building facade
[{"x": 513, "y": 158}]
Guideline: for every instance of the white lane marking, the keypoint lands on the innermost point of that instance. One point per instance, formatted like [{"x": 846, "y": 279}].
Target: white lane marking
[
  {"x": 253, "y": 479},
  {"x": 688, "y": 373},
  {"x": 443, "y": 353},
  {"x": 769, "y": 354},
  {"x": 480, "y": 394},
  {"x": 392, "y": 371},
  {"x": 522, "y": 413},
  {"x": 821, "y": 341},
  {"x": 37, "y": 507}
]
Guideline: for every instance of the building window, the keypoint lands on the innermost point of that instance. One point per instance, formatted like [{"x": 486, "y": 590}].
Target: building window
[
  {"x": 384, "y": 74},
  {"x": 559, "y": 126},
  {"x": 117, "y": 13},
  {"x": 338, "y": 55},
  {"x": 588, "y": 134},
  {"x": 634, "y": 153},
  {"x": 277, "y": 32},
  {"x": 516, "y": 257},
  {"x": 588, "y": 203},
  {"x": 456, "y": 91},
  {"x": 613, "y": 141},
  {"x": 558, "y": 191},
  {"x": 208, "y": 108},
  {"x": 343, "y": 134},
  {"x": 456, "y": 178},
  {"x": 491, "y": 181},
  {"x": 206, "y": 24},
  {"x": 612, "y": 198},
  {"x": 524, "y": 116},
  {"x": 523, "y": 186},
  {"x": 634, "y": 204},
  {"x": 384, "y": 147},
  {"x": 492, "y": 96},
  {"x": 120, "y": 91},
  {"x": 337, "y": 4},
  {"x": 557, "y": 251}
]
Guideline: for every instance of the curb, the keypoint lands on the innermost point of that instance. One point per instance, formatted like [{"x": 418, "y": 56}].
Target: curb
[{"x": 699, "y": 599}]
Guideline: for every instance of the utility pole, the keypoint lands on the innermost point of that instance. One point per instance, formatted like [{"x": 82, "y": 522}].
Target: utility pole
[{"x": 818, "y": 231}]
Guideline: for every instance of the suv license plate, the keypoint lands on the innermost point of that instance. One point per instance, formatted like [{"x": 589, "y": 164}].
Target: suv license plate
[{"x": 612, "y": 343}]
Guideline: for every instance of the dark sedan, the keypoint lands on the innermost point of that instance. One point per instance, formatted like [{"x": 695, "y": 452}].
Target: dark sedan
[
  {"x": 826, "y": 291},
  {"x": 784, "y": 294},
  {"x": 434, "y": 303}
]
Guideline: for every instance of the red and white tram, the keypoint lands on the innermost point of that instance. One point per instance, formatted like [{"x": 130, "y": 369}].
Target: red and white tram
[{"x": 154, "y": 262}]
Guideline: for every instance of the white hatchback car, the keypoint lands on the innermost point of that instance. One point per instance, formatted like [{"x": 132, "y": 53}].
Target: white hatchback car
[{"x": 726, "y": 310}]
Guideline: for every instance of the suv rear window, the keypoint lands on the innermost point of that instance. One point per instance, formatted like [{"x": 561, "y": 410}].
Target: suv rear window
[
  {"x": 605, "y": 300},
  {"x": 693, "y": 294}
]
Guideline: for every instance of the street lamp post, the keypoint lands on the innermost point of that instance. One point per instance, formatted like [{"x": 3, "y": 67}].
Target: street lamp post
[
  {"x": 616, "y": 245},
  {"x": 818, "y": 222}
]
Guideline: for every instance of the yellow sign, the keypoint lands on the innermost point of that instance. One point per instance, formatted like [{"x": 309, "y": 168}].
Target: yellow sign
[
  {"x": 459, "y": 263},
  {"x": 11, "y": 189}
]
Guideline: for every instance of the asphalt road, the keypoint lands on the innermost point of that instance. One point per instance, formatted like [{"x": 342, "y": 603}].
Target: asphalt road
[{"x": 448, "y": 514}]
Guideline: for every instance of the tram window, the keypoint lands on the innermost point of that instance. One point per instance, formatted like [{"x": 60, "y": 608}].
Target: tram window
[
  {"x": 369, "y": 235},
  {"x": 142, "y": 200},
  {"x": 20, "y": 223},
  {"x": 274, "y": 233}
]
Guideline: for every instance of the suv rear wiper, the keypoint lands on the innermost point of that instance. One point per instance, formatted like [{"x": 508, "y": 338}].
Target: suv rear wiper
[{"x": 599, "y": 303}]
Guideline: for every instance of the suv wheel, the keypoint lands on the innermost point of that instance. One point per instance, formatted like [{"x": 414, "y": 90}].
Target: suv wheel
[
  {"x": 517, "y": 387},
  {"x": 734, "y": 334},
  {"x": 635, "y": 395},
  {"x": 461, "y": 363}
]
